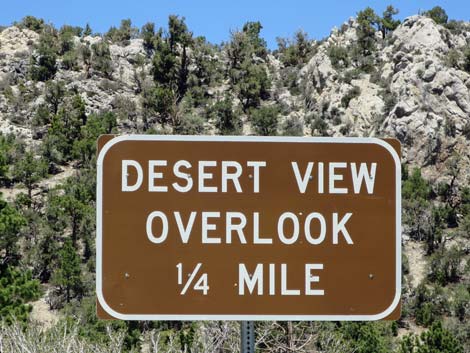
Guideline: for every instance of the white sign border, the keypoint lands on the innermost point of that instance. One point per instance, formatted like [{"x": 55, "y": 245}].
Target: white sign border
[{"x": 358, "y": 140}]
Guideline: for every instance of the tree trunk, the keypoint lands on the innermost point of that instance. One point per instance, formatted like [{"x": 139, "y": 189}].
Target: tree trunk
[{"x": 290, "y": 337}]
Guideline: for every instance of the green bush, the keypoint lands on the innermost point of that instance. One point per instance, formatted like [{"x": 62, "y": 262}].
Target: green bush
[
  {"x": 125, "y": 109},
  {"x": 293, "y": 127},
  {"x": 17, "y": 287},
  {"x": 66, "y": 38},
  {"x": 87, "y": 31},
  {"x": 429, "y": 304},
  {"x": 44, "y": 255},
  {"x": 436, "y": 340},
  {"x": 367, "y": 337},
  {"x": 466, "y": 59},
  {"x": 43, "y": 60},
  {"x": 71, "y": 205},
  {"x": 461, "y": 302},
  {"x": 438, "y": 15},
  {"x": 319, "y": 126},
  {"x": 32, "y": 23},
  {"x": 446, "y": 266},
  {"x": 89, "y": 326},
  {"x": 70, "y": 60},
  {"x": 297, "y": 51},
  {"x": 426, "y": 314},
  {"x": 465, "y": 200},
  {"x": 405, "y": 264},
  {"x": 101, "y": 59},
  {"x": 351, "y": 74},
  {"x": 190, "y": 125},
  {"x": 227, "y": 121},
  {"x": 123, "y": 34},
  {"x": 207, "y": 70},
  {"x": 390, "y": 101},
  {"x": 289, "y": 79},
  {"x": 453, "y": 58},
  {"x": 349, "y": 96},
  {"x": 339, "y": 56},
  {"x": 415, "y": 187},
  {"x": 265, "y": 120}
]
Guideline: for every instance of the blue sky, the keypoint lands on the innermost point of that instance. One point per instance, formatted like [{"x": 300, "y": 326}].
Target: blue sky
[{"x": 215, "y": 18}]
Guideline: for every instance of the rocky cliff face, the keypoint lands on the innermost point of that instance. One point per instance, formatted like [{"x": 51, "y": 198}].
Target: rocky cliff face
[
  {"x": 429, "y": 108},
  {"x": 416, "y": 91}
]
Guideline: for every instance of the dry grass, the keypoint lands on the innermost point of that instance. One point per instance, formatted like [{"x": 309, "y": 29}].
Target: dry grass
[{"x": 60, "y": 338}]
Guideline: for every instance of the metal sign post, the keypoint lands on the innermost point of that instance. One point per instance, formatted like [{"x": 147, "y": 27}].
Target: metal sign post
[{"x": 247, "y": 336}]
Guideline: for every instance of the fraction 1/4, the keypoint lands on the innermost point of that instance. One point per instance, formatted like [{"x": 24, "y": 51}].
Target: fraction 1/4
[{"x": 200, "y": 284}]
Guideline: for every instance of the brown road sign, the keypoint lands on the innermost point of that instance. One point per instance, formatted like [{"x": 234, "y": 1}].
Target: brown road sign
[{"x": 248, "y": 228}]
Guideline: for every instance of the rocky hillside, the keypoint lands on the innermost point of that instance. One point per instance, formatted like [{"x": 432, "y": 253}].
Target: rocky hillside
[
  {"x": 373, "y": 76},
  {"x": 414, "y": 94},
  {"x": 417, "y": 89}
]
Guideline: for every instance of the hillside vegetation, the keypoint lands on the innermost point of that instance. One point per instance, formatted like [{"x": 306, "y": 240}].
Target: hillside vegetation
[{"x": 60, "y": 88}]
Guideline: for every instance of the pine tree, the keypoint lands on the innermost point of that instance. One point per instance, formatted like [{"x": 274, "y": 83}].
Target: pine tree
[
  {"x": 87, "y": 31},
  {"x": 295, "y": 51},
  {"x": 366, "y": 20},
  {"x": 84, "y": 148},
  {"x": 46, "y": 255},
  {"x": 70, "y": 203},
  {"x": 29, "y": 170},
  {"x": 252, "y": 31},
  {"x": 148, "y": 36},
  {"x": 254, "y": 85},
  {"x": 67, "y": 278},
  {"x": 247, "y": 70},
  {"x": 11, "y": 222},
  {"x": 387, "y": 23},
  {"x": 170, "y": 64},
  {"x": 65, "y": 129},
  {"x": 53, "y": 94},
  {"x": 164, "y": 64}
]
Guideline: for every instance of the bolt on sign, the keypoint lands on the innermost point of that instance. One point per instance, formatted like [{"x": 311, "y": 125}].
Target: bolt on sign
[{"x": 248, "y": 228}]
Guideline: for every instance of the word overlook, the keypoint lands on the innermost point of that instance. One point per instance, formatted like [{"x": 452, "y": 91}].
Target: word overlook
[{"x": 363, "y": 175}]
